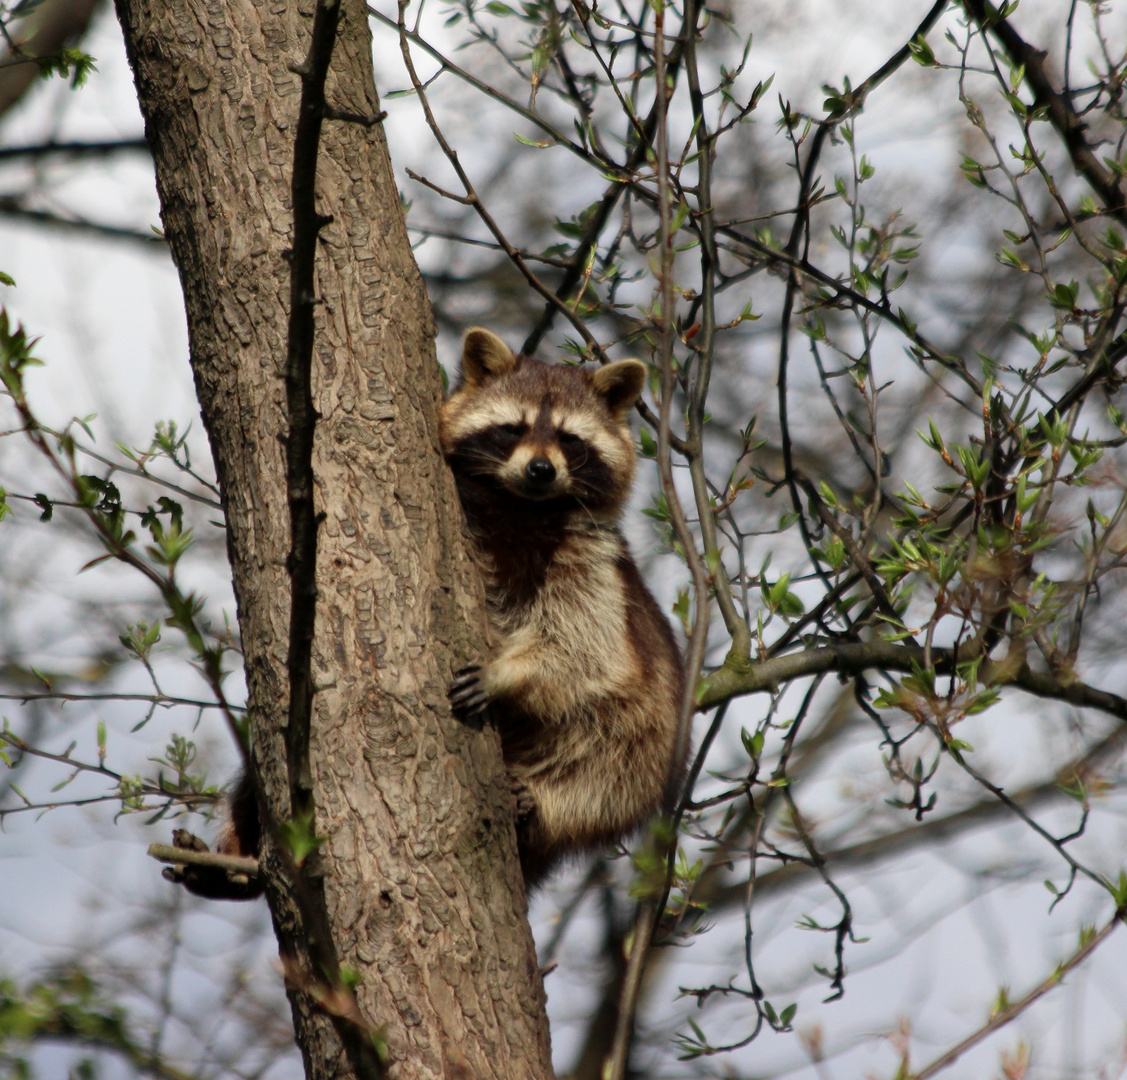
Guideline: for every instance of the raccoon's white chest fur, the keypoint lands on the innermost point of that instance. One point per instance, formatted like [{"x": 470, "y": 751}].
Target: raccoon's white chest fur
[{"x": 576, "y": 622}]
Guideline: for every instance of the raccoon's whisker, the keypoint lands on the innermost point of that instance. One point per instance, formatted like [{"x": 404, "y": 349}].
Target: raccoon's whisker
[
  {"x": 584, "y": 487},
  {"x": 480, "y": 465},
  {"x": 481, "y": 455},
  {"x": 586, "y": 509}
]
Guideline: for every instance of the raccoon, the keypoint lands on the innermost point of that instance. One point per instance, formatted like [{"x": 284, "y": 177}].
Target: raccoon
[{"x": 584, "y": 678}]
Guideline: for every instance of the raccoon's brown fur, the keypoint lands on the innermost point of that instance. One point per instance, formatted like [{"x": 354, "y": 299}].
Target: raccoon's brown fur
[{"x": 584, "y": 678}]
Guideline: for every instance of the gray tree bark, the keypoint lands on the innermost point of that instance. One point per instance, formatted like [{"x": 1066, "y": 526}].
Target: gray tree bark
[{"x": 413, "y": 808}]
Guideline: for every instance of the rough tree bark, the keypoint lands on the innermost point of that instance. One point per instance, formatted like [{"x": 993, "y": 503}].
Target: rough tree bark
[{"x": 413, "y": 808}]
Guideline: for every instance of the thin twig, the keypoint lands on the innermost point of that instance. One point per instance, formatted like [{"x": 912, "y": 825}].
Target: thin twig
[{"x": 1011, "y": 1012}]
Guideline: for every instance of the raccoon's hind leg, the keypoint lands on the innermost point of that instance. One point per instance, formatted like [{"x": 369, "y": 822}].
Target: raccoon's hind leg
[
  {"x": 537, "y": 858},
  {"x": 469, "y": 703},
  {"x": 597, "y": 791},
  {"x": 210, "y": 882}
]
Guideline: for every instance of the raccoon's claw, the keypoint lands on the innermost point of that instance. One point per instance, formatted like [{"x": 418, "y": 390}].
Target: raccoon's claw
[
  {"x": 467, "y": 696},
  {"x": 180, "y": 874},
  {"x": 524, "y": 803},
  {"x": 181, "y": 838}
]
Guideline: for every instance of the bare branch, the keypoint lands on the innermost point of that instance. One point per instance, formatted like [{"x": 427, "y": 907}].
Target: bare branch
[
  {"x": 854, "y": 658},
  {"x": 1089, "y": 944}
]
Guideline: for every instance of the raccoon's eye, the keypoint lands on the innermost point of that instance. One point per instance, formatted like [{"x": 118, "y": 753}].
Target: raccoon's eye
[
  {"x": 567, "y": 438},
  {"x": 513, "y": 430}
]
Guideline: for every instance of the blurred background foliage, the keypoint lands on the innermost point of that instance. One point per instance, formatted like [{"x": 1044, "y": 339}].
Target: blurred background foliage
[{"x": 876, "y": 256}]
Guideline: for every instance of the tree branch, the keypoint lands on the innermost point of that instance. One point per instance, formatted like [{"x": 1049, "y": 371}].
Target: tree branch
[
  {"x": 1011, "y": 1012},
  {"x": 35, "y": 151},
  {"x": 1061, "y": 113},
  {"x": 235, "y": 864},
  {"x": 852, "y": 658},
  {"x": 13, "y": 208},
  {"x": 152, "y": 699}
]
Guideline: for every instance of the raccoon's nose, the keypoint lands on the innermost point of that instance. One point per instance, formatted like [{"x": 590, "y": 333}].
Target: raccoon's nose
[{"x": 540, "y": 471}]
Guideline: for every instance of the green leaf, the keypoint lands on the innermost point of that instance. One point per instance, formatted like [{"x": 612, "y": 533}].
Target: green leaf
[
  {"x": 752, "y": 743},
  {"x": 791, "y": 606},
  {"x": 660, "y": 510},
  {"x": 1065, "y": 296},
  {"x": 67, "y": 61},
  {"x": 541, "y": 57},
  {"x": 1119, "y": 890},
  {"x": 921, "y": 51},
  {"x": 681, "y": 610},
  {"x": 297, "y": 835},
  {"x": 350, "y": 976}
]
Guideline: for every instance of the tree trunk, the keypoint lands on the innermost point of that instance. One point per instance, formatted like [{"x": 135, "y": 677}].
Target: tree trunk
[{"x": 413, "y": 808}]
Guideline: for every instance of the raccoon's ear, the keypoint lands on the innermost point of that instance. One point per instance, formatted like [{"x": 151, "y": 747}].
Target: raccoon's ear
[
  {"x": 485, "y": 356},
  {"x": 620, "y": 384}
]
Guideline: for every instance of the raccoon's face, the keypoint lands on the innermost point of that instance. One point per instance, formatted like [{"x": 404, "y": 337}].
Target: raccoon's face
[{"x": 541, "y": 432}]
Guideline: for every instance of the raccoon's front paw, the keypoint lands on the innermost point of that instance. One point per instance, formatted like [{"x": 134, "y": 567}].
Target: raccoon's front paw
[{"x": 467, "y": 694}]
